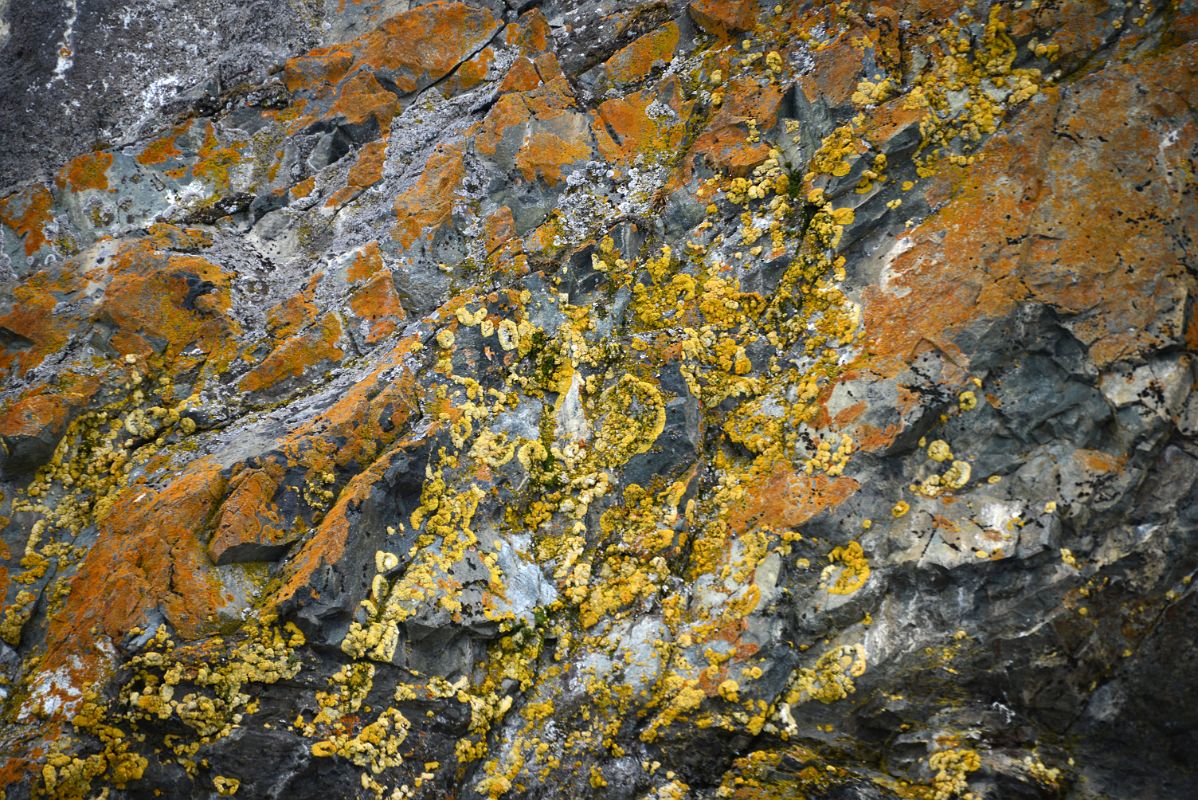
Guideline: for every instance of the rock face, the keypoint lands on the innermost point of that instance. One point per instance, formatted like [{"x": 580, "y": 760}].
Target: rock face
[{"x": 598, "y": 399}]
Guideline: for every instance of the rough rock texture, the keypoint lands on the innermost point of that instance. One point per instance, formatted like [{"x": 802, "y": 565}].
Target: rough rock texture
[{"x": 598, "y": 399}]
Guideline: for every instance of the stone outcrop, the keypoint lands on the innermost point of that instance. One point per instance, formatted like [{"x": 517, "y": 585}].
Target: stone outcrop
[{"x": 598, "y": 399}]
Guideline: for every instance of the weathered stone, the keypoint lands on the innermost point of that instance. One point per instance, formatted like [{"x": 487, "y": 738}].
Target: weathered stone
[{"x": 613, "y": 399}]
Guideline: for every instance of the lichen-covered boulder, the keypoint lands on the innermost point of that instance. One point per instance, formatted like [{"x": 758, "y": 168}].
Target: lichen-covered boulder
[{"x": 624, "y": 400}]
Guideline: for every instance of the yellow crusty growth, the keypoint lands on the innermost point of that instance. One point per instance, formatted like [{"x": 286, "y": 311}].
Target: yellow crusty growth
[
  {"x": 631, "y": 416},
  {"x": 848, "y": 571},
  {"x": 952, "y": 769},
  {"x": 831, "y": 678}
]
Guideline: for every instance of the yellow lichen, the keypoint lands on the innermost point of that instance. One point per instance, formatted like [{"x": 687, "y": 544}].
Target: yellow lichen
[
  {"x": 952, "y": 769},
  {"x": 831, "y": 678},
  {"x": 939, "y": 451},
  {"x": 631, "y": 415},
  {"x": 848, "y": 571},
  {"x": 226, "y": 787}
]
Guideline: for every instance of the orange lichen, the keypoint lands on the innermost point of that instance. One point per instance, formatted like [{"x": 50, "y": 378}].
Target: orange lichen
[
  {"x": 164, "y": 304},
  {"x": 362, "y": 97},
  {"x": 509, "y": 110},
  {"x": 787, "y": 499},
  {"x": 1025, "y": 186},
  {"x": 293, "y": 357},
  {"x": 215, "y": 160},
  {"x": 366, "y": 171},
  {"x": 294, "y": 313},
  {"x": 1098, "y": 462},
  {"x": 165, "y": 236},
  {"x": 304, "y": 187},
  {"x": 88, "y": 171},
  {"x": 30, "y": 221},
  {"x": 834, "y": 74},
  {"x": 162, "y": 149},
  {"x": 623, "y": 129},
  {"x": 499, "y": 228},
  {"x": 326, "y": 65},
  {"x": 427, "y": 42},
  {"x": 366, "y": 263},
  {"x": 248, "y": 516},
  {"x": 530, "y": 34},
  {"x": 34, "y": 415},
  {"x": 547, "y": 101},
  {"x": 521, "y": 76},
  {"x": 723, "y": 17},
  {"x": 725, "y": 139},
  {"x": 35, "y": 318},
  {"x": 365, "y": 419},
  {"x": 146, "y": 556},
  {"x": 427, "y": 205},
  {"x": 358, "y": 428},
  {"x": 377, "y": 302},
  {"x": 407, "y": 51},
  {"x": 636, "y": 60},
  {"x": 545, "y": 152},
  {"x": 474, "y": 71}
]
